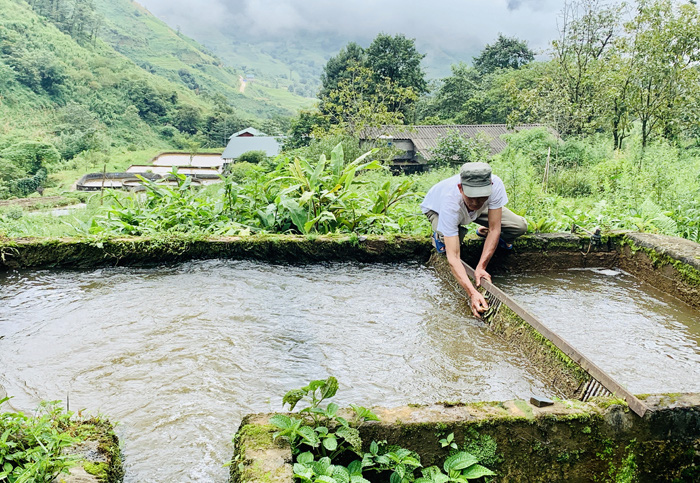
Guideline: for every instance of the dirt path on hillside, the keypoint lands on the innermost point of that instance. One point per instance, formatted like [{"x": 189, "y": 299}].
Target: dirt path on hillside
[{"x": 242, "y": 87}]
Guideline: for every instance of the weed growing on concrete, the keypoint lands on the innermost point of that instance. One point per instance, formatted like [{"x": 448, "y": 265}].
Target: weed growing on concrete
[{"x": 31, "y": 448}]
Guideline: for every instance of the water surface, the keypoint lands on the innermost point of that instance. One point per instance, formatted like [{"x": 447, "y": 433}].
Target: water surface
[
  {"x": 647, "y": 340},
  {"x": 178, "y": 354}
]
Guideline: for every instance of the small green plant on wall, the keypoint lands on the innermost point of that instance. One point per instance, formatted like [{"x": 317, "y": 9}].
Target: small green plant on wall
[{"x": 327, "y": 447}]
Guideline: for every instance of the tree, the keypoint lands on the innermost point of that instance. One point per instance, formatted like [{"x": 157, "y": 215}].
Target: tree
[
  {"x": 336, "y": 69},
  {"x": 220, "y": 126},
  {"x": 360, "y": 102},
  {"x": 663, "y": 63},
  {"x": 456, "y": 90},
  {"x": 390, "y": 62},
  {"x": 577, "y": 80},
  {"x": 188, "y": 119},
  {"x": 396, "y": 58},
  {"x": 32, "y": 156},
  {"x": 302, "y": 127},
  {"x": 40, "y": 70},
  {"x": 505, "y": 53}
]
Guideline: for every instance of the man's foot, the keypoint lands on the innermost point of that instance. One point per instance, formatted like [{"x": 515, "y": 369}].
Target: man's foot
[
  {"x": 482, "y": 231},
  {"x": 439, "y": 245}
]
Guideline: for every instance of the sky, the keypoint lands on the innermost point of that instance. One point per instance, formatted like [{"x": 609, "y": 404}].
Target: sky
[{"x": 449, "y": 25}]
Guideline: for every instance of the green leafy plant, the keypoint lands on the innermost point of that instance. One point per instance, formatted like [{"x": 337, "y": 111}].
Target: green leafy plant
[
  {"x": 449, "y": 441},
  {"x": 320, "y": 439},
  {"x": 31, "y": 448}
]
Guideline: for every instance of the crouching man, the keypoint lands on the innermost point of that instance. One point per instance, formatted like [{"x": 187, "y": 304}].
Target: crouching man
[{"x": 474, "y": 195}]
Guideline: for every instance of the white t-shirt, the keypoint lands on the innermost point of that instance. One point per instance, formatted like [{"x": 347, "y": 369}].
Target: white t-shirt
[{"x": 445, "y": 199}]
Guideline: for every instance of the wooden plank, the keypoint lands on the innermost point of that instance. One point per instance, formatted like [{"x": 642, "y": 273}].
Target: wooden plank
[{"x": 589, "y": 366}]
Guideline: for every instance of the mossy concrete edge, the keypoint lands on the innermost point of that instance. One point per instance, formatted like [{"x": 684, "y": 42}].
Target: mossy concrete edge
[
  {"x": 86, "y": 252},
  {"x": 100, "y": 457},
  {"x": 568, "y": 441},
  {"x": 141, "y": 251},
  {"x": 671, "y": 264}
]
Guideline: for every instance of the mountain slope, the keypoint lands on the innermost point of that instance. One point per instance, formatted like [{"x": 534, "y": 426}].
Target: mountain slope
[{"x": 133, "y": 31}]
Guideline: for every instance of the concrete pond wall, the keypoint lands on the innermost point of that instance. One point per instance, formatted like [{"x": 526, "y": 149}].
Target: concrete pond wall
[{"x": 569, "y": 441}]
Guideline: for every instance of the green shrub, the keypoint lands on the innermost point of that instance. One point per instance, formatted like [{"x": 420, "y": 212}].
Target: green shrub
[
  {"x": 572, "y": 183},
  {"x": 241, "y": 172},
  {"x": 31, "y": 448},
  {"x": 456, "y": 149},
  {"x": 31, "y": 156},
  {"x": 252, "y": 157}
]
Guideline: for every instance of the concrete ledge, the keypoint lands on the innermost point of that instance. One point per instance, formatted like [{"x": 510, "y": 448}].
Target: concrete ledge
[
  {"x": 141, "y": 251},
  {"x": 569, "y": 441},
  {"x": 670, "y": 264},
  {"x": 531, "y": 252},
  {"x": 100, "y": 456}
]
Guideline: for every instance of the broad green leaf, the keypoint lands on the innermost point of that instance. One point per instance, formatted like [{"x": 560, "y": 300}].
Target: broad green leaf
[
  {"x": 337, "y": 160},
  {"x": 318, "y": 171},
  {"x": 395, "y": 478},
  {"x": 351, "y": 435},
  {"x": 325, "y": 479},
  {"x": 322, "y": 466},
  {"x": 332, "y": 409},
  {"x": 330, "y": 387},
  {"x": 330, "y": 443},
  {"x": 309, "y": 436},
  {"x": 374, "y": 447},
  {"x": 293, "y": 397},
  {"x": 303, "y": 471},
  {"x": 305, "y": 458},
  {"x": 358, "y": 479},
  {"x": 341, "y": 474},
  {"x": 281, "y": 421},
  {"x": 313, "y": 385},
  {"x": 459, "y": 461},
  {"x": 477, "y": 471},
  {"x": 355, "y": 468}
]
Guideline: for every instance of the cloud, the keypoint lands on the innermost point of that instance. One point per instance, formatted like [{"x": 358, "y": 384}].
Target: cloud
[{"x": 448, "y": 25}]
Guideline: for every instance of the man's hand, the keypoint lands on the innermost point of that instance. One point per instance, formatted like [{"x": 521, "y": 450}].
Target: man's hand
[
  {"x": 480, "y": 273},
  {"x": 478, "y": 304}
]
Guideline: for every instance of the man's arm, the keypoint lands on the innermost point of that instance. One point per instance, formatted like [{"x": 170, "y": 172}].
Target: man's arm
[
  {"x": 478, "y": 302},
  {"x": 490, "y": 245}
]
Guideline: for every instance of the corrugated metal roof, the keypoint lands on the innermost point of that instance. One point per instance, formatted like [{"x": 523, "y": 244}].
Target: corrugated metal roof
[
  {"x": 250, "y": 130},
  {"x": 183, "y": 159},
  {"x": 426, "y": 138},
  {"x": 239, "y": 145}
]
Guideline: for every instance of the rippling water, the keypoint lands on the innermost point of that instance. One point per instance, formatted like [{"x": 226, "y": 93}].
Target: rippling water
[
  {"x": 646, "y": 339},
  {"x": 178, "y": 354}
]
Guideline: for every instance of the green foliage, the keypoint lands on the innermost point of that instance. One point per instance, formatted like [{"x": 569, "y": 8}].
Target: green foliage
[
  {"x": 448, "y": 441},
  {"x": 243, "y": 172},
  {"x": 505, "y": 53},
  {"x": 252, "y": 157},
  {"x": 25, "y": 186},
  {"x": 361, "y": 101},
  {"x": 455, "y": 150},
  {"x": 31, "y": 448},
  {"x": 338, "y": 67},
  {"x": 366, "y": 88},
  {"x": 322, "y": 439},
  {"x": 396, "y": 58},
  {"x": 31, "y": 156}
]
